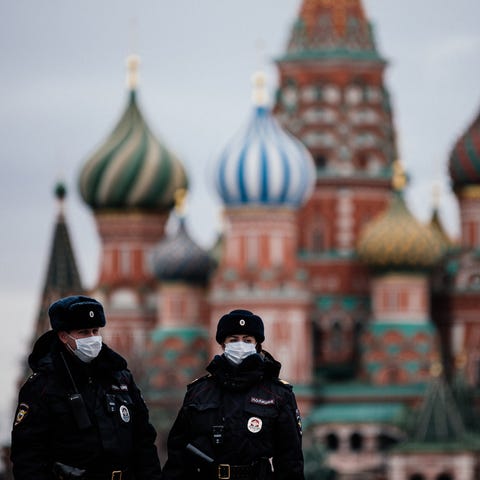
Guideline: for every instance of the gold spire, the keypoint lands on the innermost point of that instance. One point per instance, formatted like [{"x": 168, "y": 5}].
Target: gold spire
[
  {"x": 461, "y": 360},
  {"x": 399, "y": 179},
  {"x": 436, "y": 193},
  {"x": 133, "y": 62},
  {"x": 259, "y": 95}
]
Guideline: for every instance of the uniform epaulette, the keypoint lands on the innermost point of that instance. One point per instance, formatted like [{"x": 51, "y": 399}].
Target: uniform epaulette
[
  {"x": 284, "y": 383},
  {"x": 31, "y": 377},
  {"x": 199, "y": 379}
]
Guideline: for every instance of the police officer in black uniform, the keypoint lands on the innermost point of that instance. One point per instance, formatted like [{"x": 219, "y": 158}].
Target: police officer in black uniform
[
  {"x": 239, "y": 421},
  {"x": 80, "y": 415}
]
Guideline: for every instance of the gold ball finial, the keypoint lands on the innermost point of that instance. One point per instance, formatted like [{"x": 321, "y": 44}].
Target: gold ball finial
[
  {"x": 133, "y": 62},
  {"x": 259, "y": 96},
  {"x": 180, "y": 200},
  {"x": 436, "y": 369},
  {"x": 399, "y": 179}
]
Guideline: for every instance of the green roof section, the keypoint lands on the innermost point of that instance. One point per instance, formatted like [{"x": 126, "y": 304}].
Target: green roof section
[
  {"x": 407, "y": 329},
  {"x": 391, "y": 413},
  {"x": 365, "y": 390},
  {"x": 331, "y": 54},
  {"x": 346, "y": 302},
  {"x": 187, "y": 334}
]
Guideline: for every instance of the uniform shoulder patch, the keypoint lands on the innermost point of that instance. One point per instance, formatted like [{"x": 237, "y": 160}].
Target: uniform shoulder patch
[{"x": 21, "y": 413}]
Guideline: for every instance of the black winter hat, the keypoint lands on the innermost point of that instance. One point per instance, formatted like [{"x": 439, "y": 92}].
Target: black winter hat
[
  {"x": 76, "y": 312},
  {"x": 240, "y": 321}
]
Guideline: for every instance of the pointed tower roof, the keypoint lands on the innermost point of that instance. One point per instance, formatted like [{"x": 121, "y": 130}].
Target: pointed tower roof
[
  {"x": 464, "y": 395},
  {"x": 439, "y": 425},
  {"x": 436, "y": 225},
  {"x": 332, "y": 29},
  {"x": 132, "y": 169},
  {"x": 62, "y": 277}
]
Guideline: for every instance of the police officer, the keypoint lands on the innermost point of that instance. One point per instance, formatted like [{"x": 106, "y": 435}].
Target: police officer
[
  {"x": 80, "y": 414},
  {"x": 239, "y": 421}
]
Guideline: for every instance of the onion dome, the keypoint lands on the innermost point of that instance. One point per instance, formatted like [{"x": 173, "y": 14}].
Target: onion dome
[
  {"x": 396, "y": 239},
  {"x": 264, "y": 165},
  {"x": 464, "y": 163},
  {"x": 132, "y": 169},
  {"x": 331, "y": 29},
  {"x": 179, "y": 258}
]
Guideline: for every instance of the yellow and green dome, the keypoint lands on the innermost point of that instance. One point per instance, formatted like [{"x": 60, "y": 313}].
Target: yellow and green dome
[
  {"x": 397, "y": 239},
  {"x": 132, "y": 169}
]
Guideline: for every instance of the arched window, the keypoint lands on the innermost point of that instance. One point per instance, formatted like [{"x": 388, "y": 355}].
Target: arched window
[
  {"x": 445, "y": 476},
  {"x": 474, "y": 281},
  {"x": 320, "y": 161},
  {"x": 417, "y": 476},
  {"x": 336, "y": 342},
  {"x": 332, "y": 442},
  {"x": 386, "y": 441},
  {"x": 318, "y": 239},
  {"x": 356, "y": 442}
]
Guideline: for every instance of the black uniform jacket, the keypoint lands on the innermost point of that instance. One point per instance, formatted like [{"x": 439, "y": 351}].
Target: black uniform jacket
[
  {"x": 48, "y": 427},
  {"x": 257, "y": 415}
]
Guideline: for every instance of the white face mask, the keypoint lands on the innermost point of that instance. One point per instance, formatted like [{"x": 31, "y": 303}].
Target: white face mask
[
  {"x": 87, "y": 348},
  {"x": 237, "y": 352}
]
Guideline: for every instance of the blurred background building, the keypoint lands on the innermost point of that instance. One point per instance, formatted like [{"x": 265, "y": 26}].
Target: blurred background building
[{"x": 373, "y": 315}]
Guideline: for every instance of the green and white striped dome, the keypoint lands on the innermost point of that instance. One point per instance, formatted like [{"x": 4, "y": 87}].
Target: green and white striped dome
[{"x": 132, "y": 169}]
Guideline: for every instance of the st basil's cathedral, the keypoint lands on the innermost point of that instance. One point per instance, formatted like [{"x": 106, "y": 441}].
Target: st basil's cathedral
[{"x": 373, "y": 314}]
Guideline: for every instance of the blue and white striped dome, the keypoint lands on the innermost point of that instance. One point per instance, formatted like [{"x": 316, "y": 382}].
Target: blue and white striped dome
[{"x": 264, "y": 164}]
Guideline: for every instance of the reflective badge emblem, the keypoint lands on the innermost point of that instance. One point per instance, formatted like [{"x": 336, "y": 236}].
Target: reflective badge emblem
[
  {"x": 242, "y": 322},
  {"x": 254, "y": 424},
  {"x": 91, "y": 314},
  {"x": 22, "y": 411},
  {"x": 124, "y": 413},
  {"x": 299, "y": 421}
]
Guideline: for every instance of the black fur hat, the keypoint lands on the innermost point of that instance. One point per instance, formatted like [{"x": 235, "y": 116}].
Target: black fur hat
[
  {"x": 76, "y": 312},
  {"x": 240, "y": 321}
]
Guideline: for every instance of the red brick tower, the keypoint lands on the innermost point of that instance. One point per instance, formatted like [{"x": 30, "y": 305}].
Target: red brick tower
[
  {"x": 332, "y": 96},
  {"x": 400, "y": 343}
]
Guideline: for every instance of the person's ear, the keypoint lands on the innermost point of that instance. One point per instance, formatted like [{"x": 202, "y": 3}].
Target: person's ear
[{"x": 63, "y": 336}]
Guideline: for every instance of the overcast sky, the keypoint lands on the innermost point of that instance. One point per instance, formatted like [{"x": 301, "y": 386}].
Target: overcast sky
[{"x": 63, "y": 88}]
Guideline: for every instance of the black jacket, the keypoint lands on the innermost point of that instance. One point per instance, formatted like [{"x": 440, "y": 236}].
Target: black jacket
[
  {"x": 47, "y": 427},
  {"x": 255, "y": 412}
]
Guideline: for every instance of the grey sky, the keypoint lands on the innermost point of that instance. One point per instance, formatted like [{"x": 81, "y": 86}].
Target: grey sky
[{"x": 63, "y": 88}]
